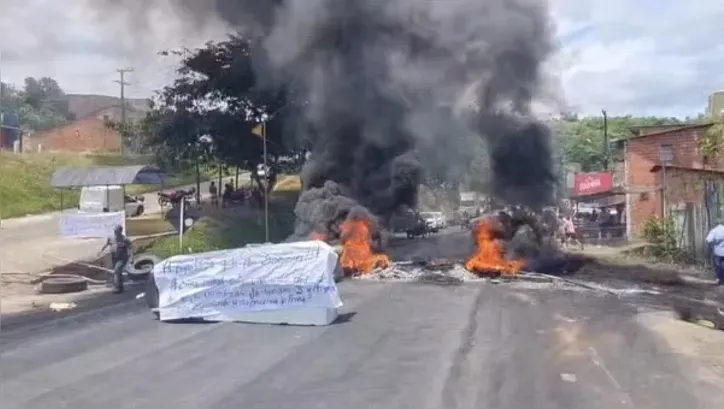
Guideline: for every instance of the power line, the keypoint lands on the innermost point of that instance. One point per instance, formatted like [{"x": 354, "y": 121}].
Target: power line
[{"x": 123, "y": 83}]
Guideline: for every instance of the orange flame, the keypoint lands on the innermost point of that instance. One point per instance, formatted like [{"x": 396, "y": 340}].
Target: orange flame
[
  {"x": 357, "y": 255},
  {"x": 489, "y": 257}
]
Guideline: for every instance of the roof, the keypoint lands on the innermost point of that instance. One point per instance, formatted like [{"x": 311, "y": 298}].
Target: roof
[
  {"x": 107, "y": 175},
  {"x": 657, "y": 168},
  {"x": 681, "y": 127},
  {"x": 83, "y": 106}
]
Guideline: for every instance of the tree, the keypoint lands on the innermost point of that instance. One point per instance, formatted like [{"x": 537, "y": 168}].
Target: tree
[
  {"x": 216, "y": 101},
  {"x": 581, "y": 140},
  {"x": 712, "y": 143},
  {"x": 40, "y": 105}
]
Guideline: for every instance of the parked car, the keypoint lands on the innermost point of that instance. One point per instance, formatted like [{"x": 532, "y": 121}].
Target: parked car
[
  {"x": 436, "y": 220},
  {"x": 109, "y": 199}
]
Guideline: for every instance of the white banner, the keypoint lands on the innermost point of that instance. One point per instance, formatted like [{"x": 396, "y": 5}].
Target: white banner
[
  {"x": 90, "y": 225},
  {"x": 221, "y": 284}
]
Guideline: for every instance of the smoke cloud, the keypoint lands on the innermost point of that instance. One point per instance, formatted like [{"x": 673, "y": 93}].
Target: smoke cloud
[{"x": 393, "y": 85}]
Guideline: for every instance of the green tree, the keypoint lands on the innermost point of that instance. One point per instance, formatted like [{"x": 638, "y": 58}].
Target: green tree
[
  {"x": 40, "y": 105},
  {"x": 211, "y": 108},
  {"x": 581, "y": 140},
  {"x": 712, "y": 143}
]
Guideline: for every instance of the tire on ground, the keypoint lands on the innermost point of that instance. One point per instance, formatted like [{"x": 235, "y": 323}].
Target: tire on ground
[
  {"x": 63, "y": 285},
  {"x": 142, "y": 266}
]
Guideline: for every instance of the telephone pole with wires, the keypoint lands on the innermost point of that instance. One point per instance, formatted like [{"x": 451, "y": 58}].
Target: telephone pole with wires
[{"x": 123, "y": 83}]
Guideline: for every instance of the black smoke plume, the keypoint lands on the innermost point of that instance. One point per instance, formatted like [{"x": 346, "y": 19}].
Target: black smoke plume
[{"x": 381, "y": 76}]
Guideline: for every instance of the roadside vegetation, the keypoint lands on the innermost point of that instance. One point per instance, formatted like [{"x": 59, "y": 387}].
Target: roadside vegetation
[
  {"x": 236, "y": 227},
  {"x": 25, "y": 180}
]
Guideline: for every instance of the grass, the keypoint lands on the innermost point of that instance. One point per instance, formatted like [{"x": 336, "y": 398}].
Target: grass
[
  {"x": 25, "y": 180},
  {"x": 225, "y": 229}
]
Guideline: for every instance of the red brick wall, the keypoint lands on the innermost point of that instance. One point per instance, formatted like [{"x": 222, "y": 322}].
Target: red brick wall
[
  {"x": 86, "y": 135},
  {"x": 643, "y": 154}
]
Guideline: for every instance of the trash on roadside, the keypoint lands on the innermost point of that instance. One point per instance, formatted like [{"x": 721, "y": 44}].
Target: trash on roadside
[
  {"x": 62, "y": 306},
  {"x": 706, "y": 323},
  {"x": 569, "y": 377}
]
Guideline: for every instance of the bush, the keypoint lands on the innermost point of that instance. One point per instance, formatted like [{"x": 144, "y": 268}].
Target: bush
[{"x": 661, "y": 235}]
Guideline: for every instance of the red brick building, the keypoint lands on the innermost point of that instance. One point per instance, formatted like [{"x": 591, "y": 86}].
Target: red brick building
[{"x": 685, "y": 173}]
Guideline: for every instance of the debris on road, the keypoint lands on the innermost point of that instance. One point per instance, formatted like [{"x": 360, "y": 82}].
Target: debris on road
[
  {"x": 62, "y": 306},
  {"x": 569, "y": 377}
]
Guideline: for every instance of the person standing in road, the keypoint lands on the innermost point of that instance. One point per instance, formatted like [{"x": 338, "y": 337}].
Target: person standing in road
[
  {"x": 569, "y": 232},
  {"x": 120, "y": 256},
  {"x": 715, "y": 240}
]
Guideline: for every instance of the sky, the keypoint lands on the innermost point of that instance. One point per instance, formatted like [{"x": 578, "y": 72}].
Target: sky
[{"x": 638, "y": 57}]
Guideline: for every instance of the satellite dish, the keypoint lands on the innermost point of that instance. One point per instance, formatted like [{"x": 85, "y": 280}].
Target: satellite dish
[{"x": 188, "y": 222}]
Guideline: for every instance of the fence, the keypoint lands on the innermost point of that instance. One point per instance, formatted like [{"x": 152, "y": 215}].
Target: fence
[
  {"x": 606, "y": 235},
  {"x": 694, "y": 220}
]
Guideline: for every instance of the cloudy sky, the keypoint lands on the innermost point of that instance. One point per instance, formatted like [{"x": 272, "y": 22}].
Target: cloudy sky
[{"x": 643, "y": 57}]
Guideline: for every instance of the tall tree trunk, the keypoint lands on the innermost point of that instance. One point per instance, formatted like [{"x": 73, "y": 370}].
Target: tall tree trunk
[{"x": 198, "y": 179}]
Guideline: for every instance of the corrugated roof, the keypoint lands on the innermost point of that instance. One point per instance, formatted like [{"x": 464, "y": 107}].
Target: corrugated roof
[{"x": 107, "y": 175}]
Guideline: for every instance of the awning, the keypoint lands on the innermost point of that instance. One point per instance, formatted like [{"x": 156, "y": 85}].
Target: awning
[
  {"x": 590, "y": 198},
  {"x": 107, "y": 175}
]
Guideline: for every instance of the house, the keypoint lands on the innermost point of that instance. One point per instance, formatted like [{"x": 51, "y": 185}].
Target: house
[
  {"x": 667, "y": 156},
  {"x": 89, "y": 132}
]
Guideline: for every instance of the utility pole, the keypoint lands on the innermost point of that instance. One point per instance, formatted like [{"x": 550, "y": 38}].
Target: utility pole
[
  {"x": 267, "y": 188},
  {"x": 606, "y": 149},
  {"x": 123, "y": 83}
]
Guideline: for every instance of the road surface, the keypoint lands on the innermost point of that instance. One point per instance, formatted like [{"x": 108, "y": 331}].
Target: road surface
[
  {"x": 397, "y": 346},
  {"x": 33, "y": 244}
]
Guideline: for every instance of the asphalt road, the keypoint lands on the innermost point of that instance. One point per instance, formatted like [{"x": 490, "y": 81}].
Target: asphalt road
[
  {"x": 33, "y": 244},
  {"x": 398, "y": 346}
]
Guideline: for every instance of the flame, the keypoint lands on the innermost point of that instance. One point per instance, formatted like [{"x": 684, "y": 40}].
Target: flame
[
  {"x": 489, "y": 257},
  {"x": 357, "y": 255},
  {"x": 319, "y": 236}
]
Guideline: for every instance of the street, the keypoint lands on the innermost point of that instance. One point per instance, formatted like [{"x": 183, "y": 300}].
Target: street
[
  {"x": 33, "y": 244},
  {"x": 397, "y": 346}
]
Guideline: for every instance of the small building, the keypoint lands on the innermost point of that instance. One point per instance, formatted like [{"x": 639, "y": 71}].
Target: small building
[{"x": 666, "y": 174}]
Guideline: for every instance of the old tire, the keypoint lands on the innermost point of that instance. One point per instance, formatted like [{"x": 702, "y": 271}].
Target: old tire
[
  {"x": 63, "y": 285},
  {"x": 141, "y": 267},
  {"x": 151, "y": 295}
]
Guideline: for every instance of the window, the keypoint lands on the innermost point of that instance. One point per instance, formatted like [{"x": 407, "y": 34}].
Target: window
[{"x": 666, "y": 154}]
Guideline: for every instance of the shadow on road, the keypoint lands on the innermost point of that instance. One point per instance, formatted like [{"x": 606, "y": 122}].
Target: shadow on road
[{"x": 91, "y": 302}]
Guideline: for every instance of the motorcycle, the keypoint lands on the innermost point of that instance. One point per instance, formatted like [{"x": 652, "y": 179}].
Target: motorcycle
[
  {"x": 174, "y": 198},
  {"x": 163, "y": 199}
]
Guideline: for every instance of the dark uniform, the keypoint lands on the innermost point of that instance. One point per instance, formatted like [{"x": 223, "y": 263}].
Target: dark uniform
[{"x": 120, "y": 256}]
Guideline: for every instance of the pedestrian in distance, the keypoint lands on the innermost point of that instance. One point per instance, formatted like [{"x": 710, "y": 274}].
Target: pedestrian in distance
[
  {"x": 120, "y": 256},
  {"x": 214, "y": 193},
  {"x": 715, "y": 240}
]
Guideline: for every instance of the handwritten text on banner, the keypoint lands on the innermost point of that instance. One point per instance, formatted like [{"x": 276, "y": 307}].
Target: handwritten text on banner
[
  {"x": 216, "y": 285},
  {"x": 82, "y": 224}
]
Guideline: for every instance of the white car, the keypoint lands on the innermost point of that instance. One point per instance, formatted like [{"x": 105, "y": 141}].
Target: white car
[
  {"x": 109, "y": 199},
  {"x": 435, "y": 220}
]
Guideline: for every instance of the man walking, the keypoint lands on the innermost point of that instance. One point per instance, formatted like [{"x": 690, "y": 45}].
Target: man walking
[
  {"x": 715, "y": 240},
  {"x": 120, "y": 256}
]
